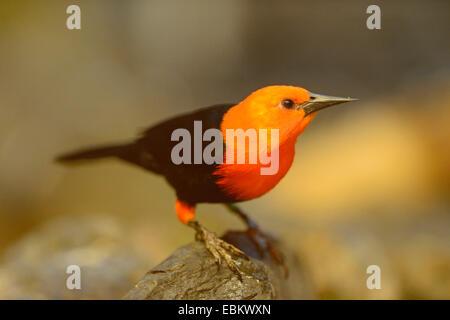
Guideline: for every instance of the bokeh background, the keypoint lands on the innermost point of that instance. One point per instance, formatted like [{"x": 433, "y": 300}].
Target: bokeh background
[{"x": 376, "y": 188}]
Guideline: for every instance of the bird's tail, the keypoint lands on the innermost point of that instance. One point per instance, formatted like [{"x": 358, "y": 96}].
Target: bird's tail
[{"x": 119, "y": 151}]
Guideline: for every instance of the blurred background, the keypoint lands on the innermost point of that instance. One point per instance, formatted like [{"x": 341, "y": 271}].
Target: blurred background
[{"x": 377, "y": 190}]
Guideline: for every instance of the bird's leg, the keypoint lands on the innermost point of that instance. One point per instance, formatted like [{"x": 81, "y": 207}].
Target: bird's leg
[
  {"x": 262, "y": 241},
  {"x": 218, "y": 247},
  {"x": 242, "y": 215}
]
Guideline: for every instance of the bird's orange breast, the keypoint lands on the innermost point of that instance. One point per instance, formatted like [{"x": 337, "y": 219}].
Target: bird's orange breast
[{"x": 245, "y": 181}]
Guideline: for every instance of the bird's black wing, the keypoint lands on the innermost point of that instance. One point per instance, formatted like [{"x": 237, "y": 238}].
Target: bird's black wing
[
  {"x": 193, "y": 182},
  {"x": 152, "y": 151}
]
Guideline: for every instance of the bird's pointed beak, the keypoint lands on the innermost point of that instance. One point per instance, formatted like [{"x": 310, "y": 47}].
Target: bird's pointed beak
[{"x": 318, "y": 102}]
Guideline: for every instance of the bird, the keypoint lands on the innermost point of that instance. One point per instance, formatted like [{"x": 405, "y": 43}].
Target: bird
[{"x": 284, "y": 108}]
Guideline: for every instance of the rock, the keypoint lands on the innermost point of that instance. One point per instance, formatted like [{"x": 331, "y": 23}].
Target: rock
[
  {"x": 35, "y": 266},
  {"x": 191, "y": 273}
]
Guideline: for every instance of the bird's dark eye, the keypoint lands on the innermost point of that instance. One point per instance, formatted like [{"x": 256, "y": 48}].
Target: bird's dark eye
[{"x": 288, "y": 103}]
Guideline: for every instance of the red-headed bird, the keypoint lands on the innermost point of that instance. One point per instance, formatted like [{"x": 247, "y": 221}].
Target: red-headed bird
[{"x": 286, "y": 108}]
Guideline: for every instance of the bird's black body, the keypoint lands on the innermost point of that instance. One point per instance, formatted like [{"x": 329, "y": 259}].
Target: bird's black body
[{"x": 193, "y": 183}]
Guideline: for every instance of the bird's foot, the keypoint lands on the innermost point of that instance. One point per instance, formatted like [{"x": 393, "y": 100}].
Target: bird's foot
[
  {"x": 219, "y": 248},
  {"x": 265, "y": 243}
]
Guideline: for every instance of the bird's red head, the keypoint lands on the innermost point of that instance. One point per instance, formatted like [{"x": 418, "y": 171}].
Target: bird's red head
[{"x": 286, "y": 108}]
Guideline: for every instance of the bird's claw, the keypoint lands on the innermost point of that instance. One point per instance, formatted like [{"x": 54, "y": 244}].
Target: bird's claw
[
  {"x": 264, "y": 243},
  {"x": 220, "y": 249}
]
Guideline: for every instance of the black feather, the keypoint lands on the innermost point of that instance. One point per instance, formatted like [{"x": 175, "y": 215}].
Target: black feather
[{"x": 193, "y": 183}]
